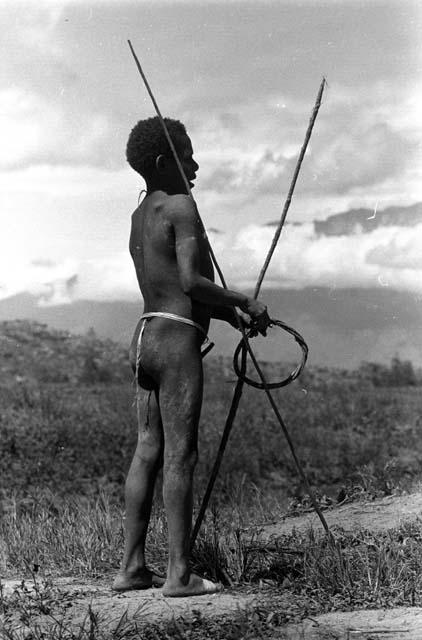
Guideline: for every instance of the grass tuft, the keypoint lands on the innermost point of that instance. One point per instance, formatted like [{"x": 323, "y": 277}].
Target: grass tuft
[{"x": 83, "y": 538}]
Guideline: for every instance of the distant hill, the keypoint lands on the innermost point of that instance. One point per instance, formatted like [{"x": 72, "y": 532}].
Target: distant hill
[
  {"x": 342, "y": 327},
  {"x": 355, "y": 221},
  {"x": 115, "y": 320},
  {"x": 365, "y": 220},
  {"x": 32, "y": 351}
]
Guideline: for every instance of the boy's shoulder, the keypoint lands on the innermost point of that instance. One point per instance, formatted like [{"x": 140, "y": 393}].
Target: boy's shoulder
[
  {"x": 171, "y": 208},
  {"x": 179, "y": 206}
]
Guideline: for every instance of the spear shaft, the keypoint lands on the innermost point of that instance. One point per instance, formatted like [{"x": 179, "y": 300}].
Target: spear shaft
[
  {"x": 178, "y": 163},
  {"x": 238, "y": 390},
  {"x": 292, "y": 187}
]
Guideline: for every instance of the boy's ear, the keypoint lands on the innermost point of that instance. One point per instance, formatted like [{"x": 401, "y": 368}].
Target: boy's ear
[{"x": 160, "y": 163}]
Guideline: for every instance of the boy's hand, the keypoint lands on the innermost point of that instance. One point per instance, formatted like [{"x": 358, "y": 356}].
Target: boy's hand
[
  {"x": 258, "y": 314},
  {"x": 243, "y": 320}
]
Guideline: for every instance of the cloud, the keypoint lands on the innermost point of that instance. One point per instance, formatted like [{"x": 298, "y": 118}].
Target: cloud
[
  {"x": 245, "y": 79},
  {"x": 36, "y": 131},
  {"x": 37, "y": 56},
  {"x": 399, "y": 251},
  {"x": 230, "y": 79},
  {"x": 57, "y": 292},
  {"x": 385, "y": 257},
  {"x": 358, "y": 158},
  {"x": 110, "y": 278},
  {"x": 356, "y": 144},
  {"x": 37, "y": 24},
  {"x": 52, "y": 106},
  {"x": 51, "y": 281},
  {"x": 63, "y": 282}
]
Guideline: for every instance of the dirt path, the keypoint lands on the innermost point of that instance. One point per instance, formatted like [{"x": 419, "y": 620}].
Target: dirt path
[
  {"x": 75, "y": 597},
  {"x": 377, "y": 515},
  {"x": 393, "y": 624}
]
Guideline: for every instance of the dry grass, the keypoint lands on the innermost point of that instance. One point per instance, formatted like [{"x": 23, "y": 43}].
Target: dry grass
[{"x": 65, "y": 448}]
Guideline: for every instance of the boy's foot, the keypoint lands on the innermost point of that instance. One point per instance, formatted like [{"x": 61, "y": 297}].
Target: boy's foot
[
  {"x": 195, "y": 587},
  {"x": 141, "y": 579}
]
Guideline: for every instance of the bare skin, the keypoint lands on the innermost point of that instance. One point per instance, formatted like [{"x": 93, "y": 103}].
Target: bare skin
[{"x": 175, "y": 275}]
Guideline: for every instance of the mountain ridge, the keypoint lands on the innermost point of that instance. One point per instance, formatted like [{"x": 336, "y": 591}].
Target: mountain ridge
[
  {"x": 343, "y": 327},
  {"x": 354, "y": 221}
]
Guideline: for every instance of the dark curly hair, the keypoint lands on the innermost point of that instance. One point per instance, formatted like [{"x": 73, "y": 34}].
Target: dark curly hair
[{"x": 147, "y": 141}]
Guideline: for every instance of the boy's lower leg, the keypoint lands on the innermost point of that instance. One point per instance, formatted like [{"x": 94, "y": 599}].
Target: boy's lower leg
[
  {"x": 134, "y": 574},
  {"x": 180, "y": 406},
  {"x": 177, "y": 494},
  {"x": 180, "y": 580}
]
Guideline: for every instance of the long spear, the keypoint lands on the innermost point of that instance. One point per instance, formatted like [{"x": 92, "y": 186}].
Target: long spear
[
  {"x": 178, "y": 163},
  {"x": 240, "y": 382},
  {"x": 240, "y": 325}
]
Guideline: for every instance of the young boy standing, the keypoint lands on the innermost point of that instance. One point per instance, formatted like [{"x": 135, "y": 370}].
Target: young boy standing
[{"x": 176, "y": 279}]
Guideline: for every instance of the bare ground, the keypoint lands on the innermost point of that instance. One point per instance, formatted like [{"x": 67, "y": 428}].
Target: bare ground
[
  {"x": 392, "y": 624},
  {"x": 377, "y": 515},
  {"x": 151, "y": 606}
]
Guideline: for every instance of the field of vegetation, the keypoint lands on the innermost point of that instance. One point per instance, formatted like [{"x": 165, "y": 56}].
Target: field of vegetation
[{"x": 67, "y": 433}]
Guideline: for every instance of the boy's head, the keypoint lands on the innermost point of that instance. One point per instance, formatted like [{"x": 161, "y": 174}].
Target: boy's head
[{"x": 147, "y": 141}]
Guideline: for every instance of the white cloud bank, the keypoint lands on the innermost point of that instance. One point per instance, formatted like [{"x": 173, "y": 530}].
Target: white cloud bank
[
  {"x": 386, "y": 257},
  {"x": 34, "y": 131},
  {"x": 63, "y": 282},
  {"x": 66, "y": 101},
  {"x": 361, "y": 142}
]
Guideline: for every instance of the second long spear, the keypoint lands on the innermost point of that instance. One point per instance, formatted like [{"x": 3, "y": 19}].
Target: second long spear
[{"x": 239, "y": 385}]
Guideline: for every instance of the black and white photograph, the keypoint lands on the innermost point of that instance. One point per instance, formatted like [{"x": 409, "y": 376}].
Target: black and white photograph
[{"x": 211, "y": 319}]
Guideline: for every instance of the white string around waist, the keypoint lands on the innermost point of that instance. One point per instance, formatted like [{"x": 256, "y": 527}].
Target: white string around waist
[{"x": 173, "y": 316}]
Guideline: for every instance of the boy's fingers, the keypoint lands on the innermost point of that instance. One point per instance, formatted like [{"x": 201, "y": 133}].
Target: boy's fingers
[{"x": 261, "y": 323}]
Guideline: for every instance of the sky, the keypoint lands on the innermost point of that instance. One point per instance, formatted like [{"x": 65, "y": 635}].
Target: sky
[{"x": 243, "y": 77}]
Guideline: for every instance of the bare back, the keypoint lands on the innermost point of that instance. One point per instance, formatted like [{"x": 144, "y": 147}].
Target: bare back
[{"x": 153, "y": 250}]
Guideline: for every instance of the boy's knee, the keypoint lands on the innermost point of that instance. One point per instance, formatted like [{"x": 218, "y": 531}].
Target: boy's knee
[
  {"x": 183, "y": 457},
  {"x": 149, "y": 450}
]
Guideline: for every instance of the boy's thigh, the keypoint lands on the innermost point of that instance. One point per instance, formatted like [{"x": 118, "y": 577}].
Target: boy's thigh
[
  {"x": 150, "y": 428},
  {"x": 180, "y": 398}
]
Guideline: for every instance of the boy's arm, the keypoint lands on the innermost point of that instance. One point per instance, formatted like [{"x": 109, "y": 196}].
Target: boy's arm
[
  {"x": 188, "y": 231},
  {"x": 227, "y": 314}
]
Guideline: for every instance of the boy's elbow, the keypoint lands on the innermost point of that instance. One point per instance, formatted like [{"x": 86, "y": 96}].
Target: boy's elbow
[
  {"x": 189, "y": 283},
  {"x": 187, "y": 289}
]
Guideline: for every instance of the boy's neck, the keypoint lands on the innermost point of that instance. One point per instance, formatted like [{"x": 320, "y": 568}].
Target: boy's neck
[{"x": 157, "y": 185}]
